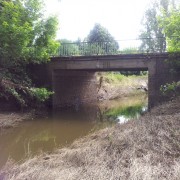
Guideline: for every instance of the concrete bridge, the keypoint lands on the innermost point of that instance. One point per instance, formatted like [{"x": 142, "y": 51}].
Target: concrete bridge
[{"x": 74, "y": 83}]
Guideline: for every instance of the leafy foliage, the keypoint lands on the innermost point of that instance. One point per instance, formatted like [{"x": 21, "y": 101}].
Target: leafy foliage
[
  {"x": 41, "y": 94},
  {"x": 68, "y": 48},
  {"x": 153, "y": 35},
  {"x": 23, "y": 96},
  {"x": 26, "y": 37},
  {"x": 129, "y": 50},
  {"x": 101, "y": 34},
  {"x": 171, "y": 89},
  {"x": 98, "y": 42},
  {"x": 171, "y": 28}
]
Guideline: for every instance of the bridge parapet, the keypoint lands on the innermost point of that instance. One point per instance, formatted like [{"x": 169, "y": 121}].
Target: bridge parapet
[{"x": 98, "y": 48}]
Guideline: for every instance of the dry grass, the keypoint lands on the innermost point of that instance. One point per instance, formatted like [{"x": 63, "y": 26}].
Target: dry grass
[
  {"x": 115, "y": 86},
  {"x": 144, "y": 149}
]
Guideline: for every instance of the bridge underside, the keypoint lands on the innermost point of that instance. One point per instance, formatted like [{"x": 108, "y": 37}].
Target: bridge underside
[{"x": 74, "y": 82}]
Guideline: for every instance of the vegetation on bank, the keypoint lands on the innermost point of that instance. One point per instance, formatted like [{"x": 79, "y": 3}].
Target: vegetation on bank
[
  {"x": 171, "y": 89},
  {"x": 127, "y": 112},
  {"x": 161, "y": 33},
  {"x": 113, "y": 85},
  {"x": 117, "y": 77},
  {"x": 144, "y": 148},
  {"x": 27, "y": 37}
]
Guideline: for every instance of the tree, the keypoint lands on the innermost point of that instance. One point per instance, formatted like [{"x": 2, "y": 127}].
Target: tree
[
  {"x": 68, "y": 48},
  {"x": 171, "y": 28},
  {"x": 153, "y": 37},
  {"x": 129, "y": 50},
  {"x": 171, "y": 25},
  {"x": 25, "y": 37},
  {"x": 102, "y": 38}
]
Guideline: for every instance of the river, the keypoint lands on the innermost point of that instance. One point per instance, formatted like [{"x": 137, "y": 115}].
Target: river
[{"x": 59, "y": 129}]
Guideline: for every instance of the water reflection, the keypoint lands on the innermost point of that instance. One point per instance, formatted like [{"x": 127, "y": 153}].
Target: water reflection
[
  {"x": 63, "y": 127},
  {"x": 127, "y": 113},
  {"x": 127, "y": 109}
]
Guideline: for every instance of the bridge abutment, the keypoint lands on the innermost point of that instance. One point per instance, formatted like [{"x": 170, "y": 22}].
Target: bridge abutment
[
  {"x": 73, "y": 88},
  {"x": 159, "y": 74}
]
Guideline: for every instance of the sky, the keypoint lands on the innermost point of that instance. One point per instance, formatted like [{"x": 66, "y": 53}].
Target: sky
[{"x": 122, "y": 18}]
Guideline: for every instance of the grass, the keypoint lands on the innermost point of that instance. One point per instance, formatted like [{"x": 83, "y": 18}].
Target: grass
[
  {"x": 127, "y": 107},
  {"x": 115, "y": 85},
  {"x": 116, "y": 78},
  {"x": 128, "y": 112},
  {"x": 145, "y": 149},
  {"x": 112, "y": 77}
]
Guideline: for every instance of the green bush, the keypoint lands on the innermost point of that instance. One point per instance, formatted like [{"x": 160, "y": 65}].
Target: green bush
[
  {"x": 23, "y": 96},
  {"x": 171, "y": 89},
  {"x": 41, "y": 94},
  {"x": 16, "y": 95}
]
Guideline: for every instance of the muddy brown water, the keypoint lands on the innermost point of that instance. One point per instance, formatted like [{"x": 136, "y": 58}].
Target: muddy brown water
[{"x": 60, "y": 129}]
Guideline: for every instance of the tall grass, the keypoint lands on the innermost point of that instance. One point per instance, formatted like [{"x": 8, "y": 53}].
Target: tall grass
[{"x": 117, "y": 78}]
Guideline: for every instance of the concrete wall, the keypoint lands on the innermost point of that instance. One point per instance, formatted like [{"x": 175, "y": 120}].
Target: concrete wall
[
  {"x": 73, "y": 88},
  {"x": 159, "y": 74}
]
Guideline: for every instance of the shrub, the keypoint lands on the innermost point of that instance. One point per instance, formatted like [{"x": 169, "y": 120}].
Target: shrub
[
  {"x": 171, "y": 89},
  {"x": 41, "y": 94}
]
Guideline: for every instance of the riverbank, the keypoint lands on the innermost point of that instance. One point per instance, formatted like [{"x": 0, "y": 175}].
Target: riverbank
[
  {"x": 12, "y": 119},
  {"x": 145, "y": 148},
  {"x": 115, "y": 85}
]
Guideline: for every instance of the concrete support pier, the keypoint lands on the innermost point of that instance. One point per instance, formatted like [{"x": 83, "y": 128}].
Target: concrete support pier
[
  {"x": 159, "y": 74},
  {"x": 73, "y": 88}
]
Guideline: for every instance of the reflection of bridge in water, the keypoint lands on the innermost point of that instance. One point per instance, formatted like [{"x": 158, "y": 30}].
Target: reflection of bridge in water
[{"x": 73, "y": 75}]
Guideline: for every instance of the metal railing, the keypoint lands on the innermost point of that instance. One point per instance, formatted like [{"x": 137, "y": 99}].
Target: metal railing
[{"x": 131, "y": 46}]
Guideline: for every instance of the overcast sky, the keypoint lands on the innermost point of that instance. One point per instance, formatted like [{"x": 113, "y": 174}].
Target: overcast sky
[{"x": 122, "y": 18}]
